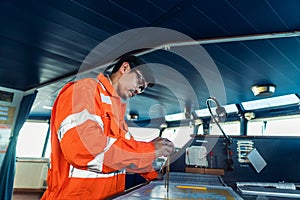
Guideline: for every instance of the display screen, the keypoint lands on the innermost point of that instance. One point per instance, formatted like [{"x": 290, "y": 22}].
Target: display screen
[{"x": 6, "y": 96}]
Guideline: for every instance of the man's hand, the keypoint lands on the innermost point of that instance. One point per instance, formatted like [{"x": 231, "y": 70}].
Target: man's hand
[
  {"x": 160, "y": 176},
  {"x": 163, "y": 147}
]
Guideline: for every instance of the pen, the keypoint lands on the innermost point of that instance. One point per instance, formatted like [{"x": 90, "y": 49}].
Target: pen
[{"x": 191, "y": 187}]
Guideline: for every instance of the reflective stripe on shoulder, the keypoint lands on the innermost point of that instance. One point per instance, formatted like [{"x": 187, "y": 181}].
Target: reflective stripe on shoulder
[
  {"x": 76, "y": 119},
  {"x": 105, "y": 99},
  {"x": 80, "y": 173},
  {"x": 97, "y": 162}
]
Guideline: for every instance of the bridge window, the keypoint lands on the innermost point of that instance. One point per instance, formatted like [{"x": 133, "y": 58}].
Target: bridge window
[
  {"x": 277, "y": 126},
  {"x": 31, "y": 139},
  {"x": 178, "y": 135},
  {"x": 230, "y": 128},
  {"x": 143, "y": 134}
]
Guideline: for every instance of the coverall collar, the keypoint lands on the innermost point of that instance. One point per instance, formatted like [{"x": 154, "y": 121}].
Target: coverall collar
[{"x": 108, "y": 86}]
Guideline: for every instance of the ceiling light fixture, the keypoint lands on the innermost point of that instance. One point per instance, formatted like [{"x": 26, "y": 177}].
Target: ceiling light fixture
[
  {"x": 264, "y": 90},
  {"x": 132, "y": 116}
]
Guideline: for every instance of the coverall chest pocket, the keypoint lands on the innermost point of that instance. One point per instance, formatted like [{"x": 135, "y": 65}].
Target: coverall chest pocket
[{"x": 111, "y": 128}]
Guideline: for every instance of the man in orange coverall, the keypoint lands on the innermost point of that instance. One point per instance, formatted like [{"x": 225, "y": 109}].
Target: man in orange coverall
[{"x": 91, "y": 146}]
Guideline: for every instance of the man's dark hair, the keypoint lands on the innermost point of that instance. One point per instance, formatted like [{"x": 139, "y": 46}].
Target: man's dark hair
[
  {"x": 131, "y": 59},
  {"x": 135, "y": 63}
]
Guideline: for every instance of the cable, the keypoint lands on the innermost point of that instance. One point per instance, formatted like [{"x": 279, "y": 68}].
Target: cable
[{"x": 221, "y": 112}]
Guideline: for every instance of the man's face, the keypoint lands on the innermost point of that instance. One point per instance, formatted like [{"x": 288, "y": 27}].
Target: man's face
[{"x": 130, "y": 84}]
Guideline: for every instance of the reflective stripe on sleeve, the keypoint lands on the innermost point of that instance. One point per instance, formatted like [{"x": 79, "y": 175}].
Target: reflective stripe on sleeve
[
  {"x": 80, "y": 173},
  {"x": 97, "y": 162},
  {"x": 77, "y": 119}
]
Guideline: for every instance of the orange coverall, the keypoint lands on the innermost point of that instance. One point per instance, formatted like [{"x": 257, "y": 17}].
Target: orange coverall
[{"x": 91, "y": 146}]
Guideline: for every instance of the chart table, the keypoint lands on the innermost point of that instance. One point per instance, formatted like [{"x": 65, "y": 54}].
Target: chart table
[{"x": 185, "y": 186}]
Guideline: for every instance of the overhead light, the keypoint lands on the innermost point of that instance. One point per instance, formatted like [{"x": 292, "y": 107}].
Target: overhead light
[
  {"x": 263, "y": 90},
  {"x": 249, "y": 115},
  {"x": 132, "y": 116},
  {"x": 163, "y": 125}
]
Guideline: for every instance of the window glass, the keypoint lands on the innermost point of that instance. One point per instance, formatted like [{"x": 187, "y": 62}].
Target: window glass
[
  {"x": 178, "y": 135},
  {"x": 5, "y": 132},
  {"x": 255, "y": 128},
  {"x": 283, "y": 127},
  {"x": 48, "y": 149},
  {"x": 231, "y": 108},
  {"x": 31, "y": 139},
  {"x": 143, "y": 134},
  {"x": 230, "y": 128},
  {"x": 280, "y": 126},
  {"x": 200, "y": 130}
]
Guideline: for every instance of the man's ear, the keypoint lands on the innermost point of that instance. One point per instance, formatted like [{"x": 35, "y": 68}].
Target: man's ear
[{"x": 125, "y": 67}]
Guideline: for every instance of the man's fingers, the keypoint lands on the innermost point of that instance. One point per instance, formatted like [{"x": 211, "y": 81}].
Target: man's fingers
[
  {"x": 163, "y": 147},
  {"x": 168, "y": 149}
]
